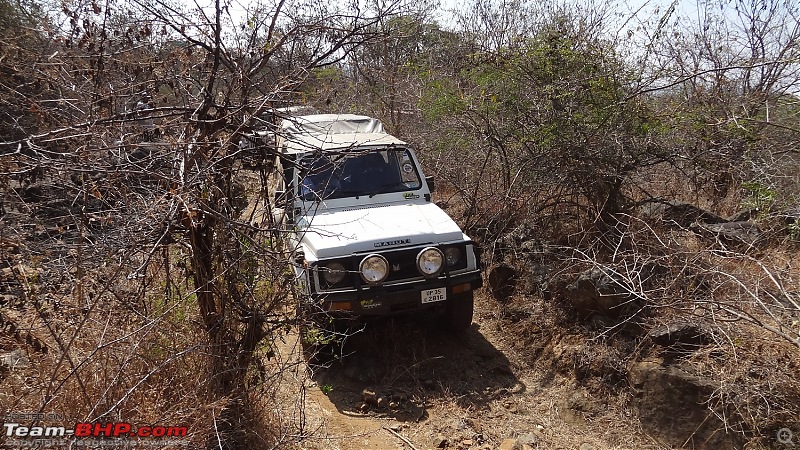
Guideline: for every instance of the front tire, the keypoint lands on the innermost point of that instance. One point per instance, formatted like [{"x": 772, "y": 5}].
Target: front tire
[{"x": 458, "y": 316}]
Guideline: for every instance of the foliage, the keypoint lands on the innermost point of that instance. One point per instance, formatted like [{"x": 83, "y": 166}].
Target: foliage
[
  {"x": 121, "y": 129},
  {"x": 554, "y": 113},
  {"x": 761, "y": 197}
]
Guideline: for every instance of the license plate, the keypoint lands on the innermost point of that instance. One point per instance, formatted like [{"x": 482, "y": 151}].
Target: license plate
[{"x": 434, "y": 295}]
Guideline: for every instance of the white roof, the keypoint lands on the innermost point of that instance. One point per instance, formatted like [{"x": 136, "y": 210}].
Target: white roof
[
  {"x": 332, "y": 124},
  {"x": 301, "y": 143},
  {"x": 332, "y": 132}
]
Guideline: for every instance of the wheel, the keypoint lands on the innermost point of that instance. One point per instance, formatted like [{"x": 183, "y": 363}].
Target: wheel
[{"x": 458, "y": 316}]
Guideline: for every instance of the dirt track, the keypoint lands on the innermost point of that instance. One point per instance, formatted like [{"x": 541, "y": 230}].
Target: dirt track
[{"x": 438, "y": 390}]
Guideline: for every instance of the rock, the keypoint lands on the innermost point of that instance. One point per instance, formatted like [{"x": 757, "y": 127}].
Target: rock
[
  {"x": 678, "y": 213},
  {"x": 680, "y": 336},
  {"x": 381, "y": 402},
  {"x": 502, "y": 281},
  {"x": 467, "y": 443},
  {"x": 524, "y": 442},
  {"x": 399, "y": 397},
  {"x": 441, "y": 441},
  {"x": 369, "y": 397},
  {"x": 520, "y": 239},
  {"x": 747, "y": 214},
  {"x": 673, "y": 407},
  {"x": 527, "y": 439},
  {"x": 508, "y": 444},
  {"x": 731, "y": 232},
  {"x": 581, "y": 402},
  {"x": 596, "y": 292}
]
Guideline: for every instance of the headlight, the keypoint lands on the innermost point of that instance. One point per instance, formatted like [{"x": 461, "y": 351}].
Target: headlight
[
  {"x": 374, "y": 268},
  {"x": 333, "y": 273},
  {"x": 453, "y": 256},
  {"x": 429, "y": 261}
]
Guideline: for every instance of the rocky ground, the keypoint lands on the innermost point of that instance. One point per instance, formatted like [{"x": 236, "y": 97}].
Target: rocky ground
[{"x": 406, "y": 383}]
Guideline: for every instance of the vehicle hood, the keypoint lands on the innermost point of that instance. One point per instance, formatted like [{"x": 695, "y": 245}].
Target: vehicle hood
[{"x": 344, "y": 231}]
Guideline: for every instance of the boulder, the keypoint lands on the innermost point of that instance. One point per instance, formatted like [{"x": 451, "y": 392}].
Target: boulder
[
  {"x": 745, "y": 215},
  {"x": 523, "y": 442},
  {"x": 730, "y": 232},
  {"x": 369, "y": 397},
  {"x": 674, "y": 407},
  {"x": 597, "y": 292},
  {"x": 679, "y": 213},
  {"x": 681, "y": 336},
  {"x": 502, "y": 281}
]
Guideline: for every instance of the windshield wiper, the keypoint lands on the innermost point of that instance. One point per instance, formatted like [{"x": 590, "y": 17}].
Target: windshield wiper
[
  {"x": 342, "y": 194},
  {"x": 385, "y": 189}
]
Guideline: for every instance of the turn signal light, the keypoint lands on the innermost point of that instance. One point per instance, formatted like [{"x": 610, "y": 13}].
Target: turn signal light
[{"x": 460, "y": 288}]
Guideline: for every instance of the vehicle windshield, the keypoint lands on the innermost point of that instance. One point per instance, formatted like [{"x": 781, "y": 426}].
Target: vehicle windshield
[{"x": 357, "y": 173}]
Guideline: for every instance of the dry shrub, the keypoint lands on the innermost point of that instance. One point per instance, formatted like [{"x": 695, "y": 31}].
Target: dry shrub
[{"x": 104, "y": 324}]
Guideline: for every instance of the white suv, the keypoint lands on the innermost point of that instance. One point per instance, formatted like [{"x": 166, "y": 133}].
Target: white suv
[{"x": 366, "y": 238}]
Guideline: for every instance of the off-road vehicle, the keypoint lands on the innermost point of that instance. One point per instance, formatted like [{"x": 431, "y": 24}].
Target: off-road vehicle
[{"x": 365, "y": 237}]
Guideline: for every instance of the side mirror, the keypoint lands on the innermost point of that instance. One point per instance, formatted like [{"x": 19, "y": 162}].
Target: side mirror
[{"x": 431, "y": 183}]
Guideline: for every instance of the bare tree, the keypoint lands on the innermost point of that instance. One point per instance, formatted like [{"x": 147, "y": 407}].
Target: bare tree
[{"x": 130, "y": 149}]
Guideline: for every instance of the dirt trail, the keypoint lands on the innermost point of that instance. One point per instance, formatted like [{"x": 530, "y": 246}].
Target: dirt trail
[
  {"x": 440, "y": 390},
  {"x": 325, "y": 427},
  {"x": 343, "y": 432}
]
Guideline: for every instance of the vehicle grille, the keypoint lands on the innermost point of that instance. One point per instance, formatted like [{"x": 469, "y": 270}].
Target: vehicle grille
[{"x": 402, "y": 267}]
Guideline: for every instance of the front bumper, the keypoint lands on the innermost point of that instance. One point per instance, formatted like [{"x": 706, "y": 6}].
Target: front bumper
[{"x": 397, "y": 298}]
